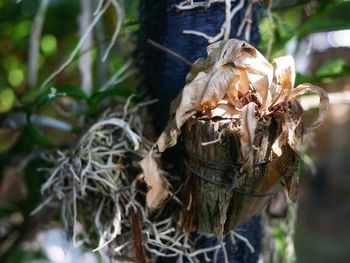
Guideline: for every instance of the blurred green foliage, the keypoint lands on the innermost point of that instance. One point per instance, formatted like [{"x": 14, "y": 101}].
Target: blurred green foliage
[
  {"x": 28, "y": 115},
  {"x": 294, "y": 21}
]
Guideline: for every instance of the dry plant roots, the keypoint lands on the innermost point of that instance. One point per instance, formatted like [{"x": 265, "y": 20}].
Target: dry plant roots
[{"x": 96, "y": 187}]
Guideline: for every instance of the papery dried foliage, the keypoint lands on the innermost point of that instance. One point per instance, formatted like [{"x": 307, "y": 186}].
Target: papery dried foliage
[
  {"x": 158, "y": 190},
  {"x": 247, "y": 133},
  {"x": 236, "y": 81}
]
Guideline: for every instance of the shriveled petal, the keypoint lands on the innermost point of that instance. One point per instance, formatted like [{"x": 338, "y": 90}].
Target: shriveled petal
[
  {"x": 158, "y": 189},
  {"x": 323, "y": 106},
  {"x": 247, "y": 134},
  {"x": 285, "y": 73}
]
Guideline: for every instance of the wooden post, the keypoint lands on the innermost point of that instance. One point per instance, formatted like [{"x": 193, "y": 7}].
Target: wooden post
[{"x": 218, "y": 196}]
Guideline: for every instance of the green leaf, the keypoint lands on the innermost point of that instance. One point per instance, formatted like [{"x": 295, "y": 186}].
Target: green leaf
[
  {"x": 333, "y": 16},
  {"x": 7, "y": 100},
  {"x": 60, "y": 91},
  {"x": 327, "y": 71},
  {"x": 37, "y": 136},
  {"x": 334, "y": 68}
]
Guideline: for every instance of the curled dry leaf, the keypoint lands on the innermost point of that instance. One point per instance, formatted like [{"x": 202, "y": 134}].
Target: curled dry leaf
[
  {"x": 236, "y": 81},
  {"x": 285, "y": 73},
  {"x": 323, "y": 106},
  {"x": 231, "y": 68},
  {"x": 291, "y": 125},
  {"x": 225, "y": 110},
  {"x": 281, "y": 167},
  {"x": 203, "y": 93},
  {"x": 158, "y": 189},
  {"x": 247, "y": 134}
]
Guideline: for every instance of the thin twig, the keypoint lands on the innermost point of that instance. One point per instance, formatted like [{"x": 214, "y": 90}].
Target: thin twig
[
  {"x": 77, "y": 47},
  {"x": 227, "y": 19},
  {"x": 171, "y": 52},
  {"x": 120, "y": 17},
  {"x": 119, "y": 76},
  {"x": 270, "y": 29},
  {"x": 34, "y": 43},
  {"x": 85, "y": 61},
  {"x": 246, "y": 22}
]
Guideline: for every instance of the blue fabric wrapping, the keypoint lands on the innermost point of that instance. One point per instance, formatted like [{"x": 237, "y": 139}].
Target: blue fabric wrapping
[
  {"x": 238, "y": 252},
  {"x": 164, "y": 76}
]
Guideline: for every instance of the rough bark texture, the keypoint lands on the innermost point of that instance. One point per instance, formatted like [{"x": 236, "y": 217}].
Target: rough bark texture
[{"x": 213, "y": 207}]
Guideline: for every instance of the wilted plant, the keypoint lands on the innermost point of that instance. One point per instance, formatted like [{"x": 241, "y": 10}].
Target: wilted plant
[{"x": 236, "y": 82}]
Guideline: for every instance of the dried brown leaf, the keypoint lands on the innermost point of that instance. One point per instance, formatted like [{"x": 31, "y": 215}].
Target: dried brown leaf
[
  {"x": 158, "y": 189},
  {"x": 285, "y": 73},
  {"x": 293, "y": 121},
  {"x": 259, "y": 71},
  {"x": 224, "y": 109},
  {"x": 204, "y": 92},
  {"x": 291, "y": 125},
  {"x": 241, "y": 54},
  {"x": 323, "y": 106},
  {"x": 199, "y": 65},
  {"x": 217, "y": 86},
  {"x": 283, "y": 168},
  {"x": 169, "y": 136},
  {"x": 243, "y": 85},
  {"x": 292, "y": 185},
  {"x": 284, "y": 165},
  {"x": 247, "y": 134}
]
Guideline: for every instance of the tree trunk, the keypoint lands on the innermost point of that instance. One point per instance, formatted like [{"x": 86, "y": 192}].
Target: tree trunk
[{"x": 218, "y": 195}]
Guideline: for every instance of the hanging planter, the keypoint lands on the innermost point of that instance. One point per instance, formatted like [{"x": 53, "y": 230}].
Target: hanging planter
[{"x": 240, "y": 122}]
